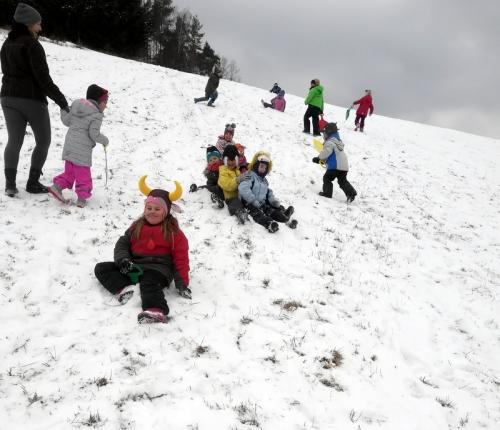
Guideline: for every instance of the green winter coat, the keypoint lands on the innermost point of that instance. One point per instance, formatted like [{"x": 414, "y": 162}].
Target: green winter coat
[{"x": 315, "y": 97}]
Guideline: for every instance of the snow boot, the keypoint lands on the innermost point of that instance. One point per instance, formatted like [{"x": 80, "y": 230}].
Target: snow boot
[
  {"x": 273, "y": 227},
  {"x": 56, "y": 191},
  {"x": 217, "y": 200},
  {"x": 242, "y": 216},
  {"x": 322, "y": 194},
  {"x": 33, "y": 185},
  {"x": 151, "y": 315},
  {"x": 81, "y": 203},
  {"x": 292, "y": 224},
  {"x": 125, "y": 294},
  {"x": 10, "y": 182},
  {"x": 350, "y": 199},
  {"x": 289, "y": 211}
]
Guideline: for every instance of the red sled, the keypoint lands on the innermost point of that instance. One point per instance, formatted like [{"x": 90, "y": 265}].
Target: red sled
[{"x": 322, "y": 123}]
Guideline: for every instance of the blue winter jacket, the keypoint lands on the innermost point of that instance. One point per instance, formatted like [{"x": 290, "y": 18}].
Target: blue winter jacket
[
  {"x": 255, "y": 190},
  {"x": 334, "y": 154}
]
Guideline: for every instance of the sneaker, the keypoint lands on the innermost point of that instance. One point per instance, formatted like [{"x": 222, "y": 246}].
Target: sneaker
[
  {"x": 81, "y": 203},
  {"x": 350, "y": 199},
  {"x": 125, "y": 294},
  {"x": 322, "y": 194},
  {"x": 151, "y": 315},
  {"x": 289, "y": 211},
  {"x": 11, "y": 191},
  {"x": 292, "y": 224},
  {"x": 56, "y": 191},
  {"x": 273, "y": 227}
]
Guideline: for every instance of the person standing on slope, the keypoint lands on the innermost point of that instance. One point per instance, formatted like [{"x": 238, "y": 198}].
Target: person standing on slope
[
  {"x": 365, "y": 107},
  {"x": 336, "y": 163},
  {"x": 211, "y": 88},
  {"x": 26, "y": 83},
  {"x": 315, "y": 104}
]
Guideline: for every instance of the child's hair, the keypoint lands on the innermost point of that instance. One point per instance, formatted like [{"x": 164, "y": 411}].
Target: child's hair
[{"x": 169, "y": 226}]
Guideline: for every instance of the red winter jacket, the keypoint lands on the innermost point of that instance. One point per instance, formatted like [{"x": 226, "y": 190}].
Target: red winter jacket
[
  {"x": 152, "y": 251},
  {"x": 365, "y": 105}
]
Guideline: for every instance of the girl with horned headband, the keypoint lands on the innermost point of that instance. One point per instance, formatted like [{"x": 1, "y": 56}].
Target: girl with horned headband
[{"x": 153, "y": 252}]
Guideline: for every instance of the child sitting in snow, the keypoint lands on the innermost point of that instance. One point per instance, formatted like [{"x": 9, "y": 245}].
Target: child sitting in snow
[
  {"x": 211, "y": 172},
  {"x": 259, "y": 199},
  {"x": 84, "y": 121},
  {"x": 226, "y": 138},
  {"x": 229, "y": 177},
  {"x": 278, "y": 102},
  {"x": 156, "y": 243},
  {"x": 242, "y": 160}
]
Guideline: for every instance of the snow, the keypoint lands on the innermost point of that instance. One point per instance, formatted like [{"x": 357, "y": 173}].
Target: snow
[{"x": 379, "y": 314}]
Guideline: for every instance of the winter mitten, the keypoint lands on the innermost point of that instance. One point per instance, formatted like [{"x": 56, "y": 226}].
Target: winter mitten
[
  {"x": 315, "y": 160},
  {"x": 125, "y": 265}
]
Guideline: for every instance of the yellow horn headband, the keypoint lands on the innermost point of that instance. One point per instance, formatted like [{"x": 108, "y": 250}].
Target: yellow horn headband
[{"x": 172, "y": 195}]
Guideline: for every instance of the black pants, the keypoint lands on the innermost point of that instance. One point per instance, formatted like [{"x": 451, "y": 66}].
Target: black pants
[
  {"x": 266, "y": 214},
  {"x": 234, "y": 205},
  {"x": 18, "y": 113},
  {"x": 151, "y": 284},
  {"x": 210, "y": 97},
  {"x": 341, "y": 177},
  {"x": 314, "y": 112},
  {"x": 360, "y": 121}
]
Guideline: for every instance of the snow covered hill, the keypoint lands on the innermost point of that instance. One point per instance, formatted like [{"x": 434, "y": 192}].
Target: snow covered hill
[{"x": 382, "y": 314}]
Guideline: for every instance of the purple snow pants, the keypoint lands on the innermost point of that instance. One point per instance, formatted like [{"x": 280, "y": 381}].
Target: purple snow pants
[{"x": 78, "y": 175}]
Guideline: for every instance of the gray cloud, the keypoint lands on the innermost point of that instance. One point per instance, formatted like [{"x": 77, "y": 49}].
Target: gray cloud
[{"x": 429, "y": 61}]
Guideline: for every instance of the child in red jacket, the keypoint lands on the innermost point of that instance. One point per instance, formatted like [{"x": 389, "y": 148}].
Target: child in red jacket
[
  {"x": 154, "y": 250},
  {"x": 365, "y": 106}
]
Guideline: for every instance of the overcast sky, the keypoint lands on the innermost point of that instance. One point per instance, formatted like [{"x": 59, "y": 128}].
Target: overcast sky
[{"x": 431, "y": 61}]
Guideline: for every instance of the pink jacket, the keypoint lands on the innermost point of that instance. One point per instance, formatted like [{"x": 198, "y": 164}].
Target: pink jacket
[{"x": 279, "y": 103}]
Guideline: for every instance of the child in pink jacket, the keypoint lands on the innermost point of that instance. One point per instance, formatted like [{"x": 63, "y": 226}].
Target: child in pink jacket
[{"x": 278, "y": 102}]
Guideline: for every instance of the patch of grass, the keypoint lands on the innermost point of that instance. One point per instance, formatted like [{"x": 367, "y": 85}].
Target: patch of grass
[
  {"x": 247, "y": 414},
  {"x": 427, "y": 382},
  {"x": 332, "y": 383},
  {"x": 92, "y": 420},
  {"x": 289, "y": 306},
  {"x": 200, "y": 350},
  {"x": 445, "y": 403},
  {"x": 246, "y": 320},
  {"x": 335, "y": 360}
]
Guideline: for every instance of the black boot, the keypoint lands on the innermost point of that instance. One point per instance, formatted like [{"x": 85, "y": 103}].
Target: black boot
[
  {"x": 10, "y": 182},
  {"x": 33, "y": 186}
]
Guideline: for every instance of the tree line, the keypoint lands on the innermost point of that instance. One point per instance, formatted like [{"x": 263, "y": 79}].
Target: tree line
[{"x": 153, "y": 31}]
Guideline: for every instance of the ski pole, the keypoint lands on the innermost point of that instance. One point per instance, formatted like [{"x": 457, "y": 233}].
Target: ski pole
[{"x": 105, "y": 167}]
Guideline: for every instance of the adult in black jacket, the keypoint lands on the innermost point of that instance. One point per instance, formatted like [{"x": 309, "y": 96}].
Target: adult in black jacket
[
  {"x": 211, "y": 88},
  {"x": 26, "y": 83}
]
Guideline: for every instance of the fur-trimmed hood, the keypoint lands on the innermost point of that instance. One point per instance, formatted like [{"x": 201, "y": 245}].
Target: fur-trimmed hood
[{"x": 256, "y": 156}]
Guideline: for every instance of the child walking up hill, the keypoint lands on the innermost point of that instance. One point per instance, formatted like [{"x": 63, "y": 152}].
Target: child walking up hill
[{"x": 84, "y": 121}]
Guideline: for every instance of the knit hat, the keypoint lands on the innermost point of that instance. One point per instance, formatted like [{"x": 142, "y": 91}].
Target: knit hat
[
  {"x": 230, "y": 153},
  {"x": 26, "y": 14},
  {"x": 240, "y": 148},
  {"x": 330, "y": 128},
  {"x": 212, "y": 151},
  {"x": 281, "y": 93},
  {"x": 230, "y": 128},
  {"x": 159, "y": 197},
  {"x": 96, "y": 93}
]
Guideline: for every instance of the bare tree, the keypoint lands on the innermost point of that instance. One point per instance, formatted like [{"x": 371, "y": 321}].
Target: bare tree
[{"x": 229, "y": 69}]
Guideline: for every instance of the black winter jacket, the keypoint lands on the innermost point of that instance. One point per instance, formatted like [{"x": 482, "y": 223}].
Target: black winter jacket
[
  {"x": 212, "y": 84},
  {"x": 25, "y": 70}
]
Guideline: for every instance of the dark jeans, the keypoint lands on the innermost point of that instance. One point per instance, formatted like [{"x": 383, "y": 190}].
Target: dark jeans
[
  {"x": 267, "y": 105},
  {"x": 210, "y": 97},
  {"x": 18, "y": 113},
  {"x": 314, "y": 112},
  {"x": 360, "y": 121},
  {"x": 151, "y": 284},
  {"x": 341, "y": 177}
]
